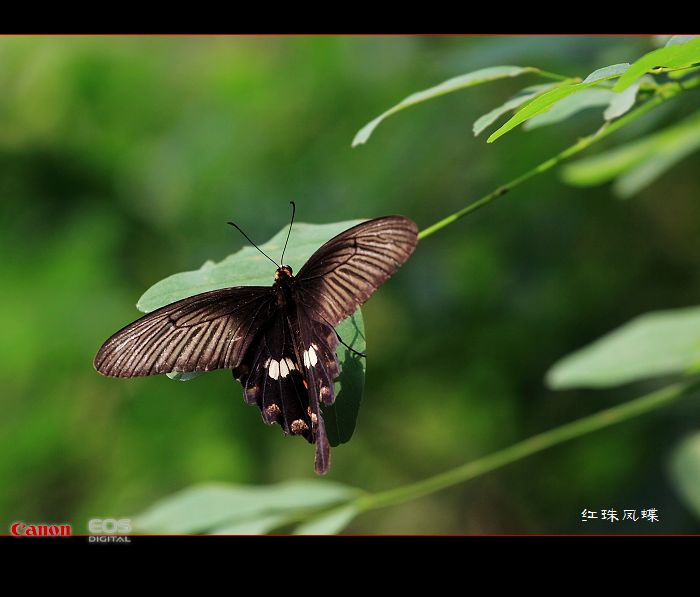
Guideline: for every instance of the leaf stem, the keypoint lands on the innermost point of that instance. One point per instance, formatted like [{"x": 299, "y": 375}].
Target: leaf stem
[
  {"x": 669, "y": 69},
  {"x": 520, "y": 450},
  {"x": 555, "y": 76},
  {"x": 583, "y": 143}
]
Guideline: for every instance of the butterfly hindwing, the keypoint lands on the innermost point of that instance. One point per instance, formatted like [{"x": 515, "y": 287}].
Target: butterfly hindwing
[
  {"x": 288, "y": 371},
  {"x": 320, "y": 356},
  {"x": 273, "y": 379},
  {"x": 316, "y": 343}
]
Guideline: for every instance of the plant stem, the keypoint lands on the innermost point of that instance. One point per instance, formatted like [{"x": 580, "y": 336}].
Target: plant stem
[
  {"x": 583, "y": 143},
  {"x": 532, "y": 445}
]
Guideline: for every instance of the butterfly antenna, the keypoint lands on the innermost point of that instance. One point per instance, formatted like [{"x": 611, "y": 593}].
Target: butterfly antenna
[
  {"x": 237, "y": 227},
  {"x": 294, "y": 210}
]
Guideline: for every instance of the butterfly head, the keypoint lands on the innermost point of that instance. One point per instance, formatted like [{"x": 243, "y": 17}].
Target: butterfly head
[{"x": 283, "y": 272}]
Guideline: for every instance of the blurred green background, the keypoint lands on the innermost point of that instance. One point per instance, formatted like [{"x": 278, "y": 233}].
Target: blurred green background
[{"x": 121, "y": 159}]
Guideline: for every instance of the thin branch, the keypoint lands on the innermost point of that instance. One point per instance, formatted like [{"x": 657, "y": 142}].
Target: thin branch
[
  {"x": 532, "y": 445},
  {"x": 607, "y": 129}
]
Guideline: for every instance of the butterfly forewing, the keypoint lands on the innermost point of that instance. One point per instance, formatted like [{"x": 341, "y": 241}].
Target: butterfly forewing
[
  {"x": 345, "y": 271},
  {"x": 200, "y": 333}
]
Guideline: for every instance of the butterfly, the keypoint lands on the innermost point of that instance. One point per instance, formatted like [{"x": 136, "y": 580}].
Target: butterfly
[{"x": 280, "y": 340}]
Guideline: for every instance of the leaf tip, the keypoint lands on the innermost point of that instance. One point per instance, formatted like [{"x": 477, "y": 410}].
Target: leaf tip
[
  {"x": 365, "y": 132},
  {"x": 552, "y": 379},
  {"x": 358, "y": 140}
]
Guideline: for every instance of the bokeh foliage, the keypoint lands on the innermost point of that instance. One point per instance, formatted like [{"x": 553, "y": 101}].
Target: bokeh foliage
[{"x": 121, "y": 159}]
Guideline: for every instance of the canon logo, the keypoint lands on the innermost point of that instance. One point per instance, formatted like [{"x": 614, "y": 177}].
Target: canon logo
[{"x": 22, "y": 529}]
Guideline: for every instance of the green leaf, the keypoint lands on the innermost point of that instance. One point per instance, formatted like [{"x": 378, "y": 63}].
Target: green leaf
[
  {"x": 637, "y": 164},
  {"x": 183, "y": 375},
  {"x": 329, "y": 523},
  {"x": 569, "y": 106},
  {"x": 648, "y": 171},
  {"x": 678, "y": 55},
  {"x": 605, "y": 166},
  {"x": 675, "y": 40},
  {"x": 477, "y": 77},
  {"x": 248, "y": 267},
  {"x": 210, "y": 507},
  {"x": 622, "y": 102},
  {"x": 544, "y": 102},
  {"x": 516, "y": 101},
  {"x": 340, "y": 417},
  {"x": 683, "y": 73},
  {"x": 652, "y": 345},
  {"x": 254, "y": 526},
  {"x": 607, "y": 72},
  {"x": 685, "y": 472}
]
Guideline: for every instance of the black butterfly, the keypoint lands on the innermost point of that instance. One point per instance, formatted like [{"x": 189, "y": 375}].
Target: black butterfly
[{"x": 278, "y": 340}]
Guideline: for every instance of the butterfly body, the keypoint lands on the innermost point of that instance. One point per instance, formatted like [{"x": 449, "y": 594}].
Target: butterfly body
[
  {"x": 291, "y": 368},
  {"x": 280, "y": 340}
]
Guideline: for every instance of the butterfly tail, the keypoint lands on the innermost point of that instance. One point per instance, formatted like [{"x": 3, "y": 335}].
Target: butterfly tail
[
  {"x": 318, "y": 341},
  {"x": 322, "y": 462}
]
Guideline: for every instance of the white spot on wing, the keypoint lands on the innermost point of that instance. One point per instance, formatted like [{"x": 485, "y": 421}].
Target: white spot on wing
[
  {"x": 284, "y": 368},
  {"x": 273, "y": 369},
  {"x": 310, "y": 357}
]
